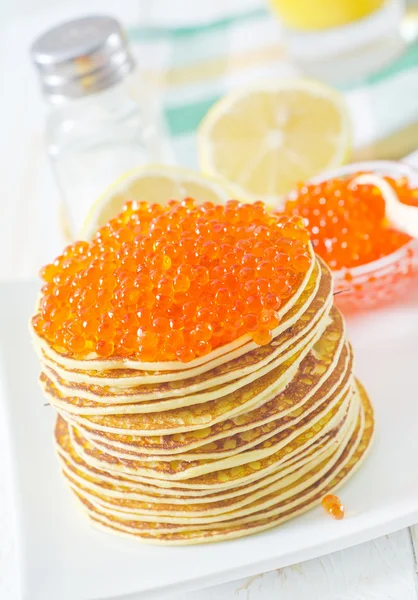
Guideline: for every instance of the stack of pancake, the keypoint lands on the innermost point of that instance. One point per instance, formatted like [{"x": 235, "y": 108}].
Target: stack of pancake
[{"x": 230, "y": 444}]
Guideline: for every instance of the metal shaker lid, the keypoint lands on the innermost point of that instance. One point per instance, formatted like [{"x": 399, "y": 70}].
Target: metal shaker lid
[{"x": 81, "y": 57}]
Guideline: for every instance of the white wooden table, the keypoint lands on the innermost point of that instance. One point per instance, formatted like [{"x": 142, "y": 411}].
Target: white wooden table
[{"x": 385, "y": 568}]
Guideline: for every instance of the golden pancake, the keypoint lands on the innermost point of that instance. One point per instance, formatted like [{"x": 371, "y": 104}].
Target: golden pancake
[
  {"x": 251, "y": 460},
  {"x": 234, "y": 443},
  {"x": 52, "y": 385},
  {"x": 325, "y": 372},
  {"x": 108, "y": 484},
  {"x": 127, "y": 484},
  {"x": 80, "y": 405},
  {"x": 229, "y": 444},
  {"x": 294, "y": 497},
  {"x": 279, "y": 407},
  {"x": 320, "y": 290},
  {"x": 226, "y": 509},
  {"x": 202, "y": 415},
  {"x": 168, "y": 533}
]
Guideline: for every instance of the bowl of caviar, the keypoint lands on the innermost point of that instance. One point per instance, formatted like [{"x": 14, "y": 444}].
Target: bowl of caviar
[{"x": 373, "y": 260}]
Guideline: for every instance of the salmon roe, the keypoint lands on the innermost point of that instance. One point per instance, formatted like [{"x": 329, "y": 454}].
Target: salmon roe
[
  {"x": 332, "y": 505},
  {"x": 347, "y": 221},
  {"x": 174, "y": 282}
]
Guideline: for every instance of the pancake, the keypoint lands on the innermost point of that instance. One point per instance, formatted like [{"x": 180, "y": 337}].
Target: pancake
[
  {"x": 235, "y": 442},
  {"x": 202, "y": 415},
  {"x": 244, "y": 341},
  {"x": 155, "y": 491},
  {"x": 294, "y": 496},
  {"x": 326, "y": 370},
  {"x": 329, "y": 479},
  {"x": 269, "y": 485},
  {"x": 228, "y": 377},
  {"x": 227, "y": 445},
  {"x": 241, "y": 438},
  {"x": 222, "y": 510},
  {"x": 250, "y": 461},
  {"x": 273, "y": 357},
  {"x": 109, "y": 484},
  {"x": 188, "y": 514},
  {"x": 278, "y": 407},
  {"x": 318, "y": 293}
]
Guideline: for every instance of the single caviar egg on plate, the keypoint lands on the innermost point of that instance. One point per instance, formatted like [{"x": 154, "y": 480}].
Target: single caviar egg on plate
[
  {"x": 333, "y": 506},
  {"x": 173, "y": 282}
]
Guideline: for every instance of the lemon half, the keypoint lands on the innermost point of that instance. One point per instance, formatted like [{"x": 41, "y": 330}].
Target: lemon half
[
  {"x": 266, "y": 139},
  {"x": 154, "y": 184}
]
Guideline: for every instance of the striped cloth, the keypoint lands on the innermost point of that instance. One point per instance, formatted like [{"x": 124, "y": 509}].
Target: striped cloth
[{"x": 186, "y": 69}]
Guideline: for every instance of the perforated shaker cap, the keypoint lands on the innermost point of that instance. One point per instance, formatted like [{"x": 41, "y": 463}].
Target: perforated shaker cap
[{"x": 81, "y": 57}]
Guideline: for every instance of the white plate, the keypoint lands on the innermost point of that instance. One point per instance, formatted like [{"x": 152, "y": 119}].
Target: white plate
[{"x": 63, "y": 558}]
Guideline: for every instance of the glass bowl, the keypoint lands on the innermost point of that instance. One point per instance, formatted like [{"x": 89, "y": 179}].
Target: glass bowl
[{"x": 390, "y": 278}]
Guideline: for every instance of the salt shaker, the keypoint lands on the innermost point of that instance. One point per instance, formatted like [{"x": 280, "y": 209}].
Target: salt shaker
[{"x": 95, "y": 129}]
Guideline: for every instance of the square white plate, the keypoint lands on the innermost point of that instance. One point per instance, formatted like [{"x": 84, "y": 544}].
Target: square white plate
[{"x": 64, "y": 558}]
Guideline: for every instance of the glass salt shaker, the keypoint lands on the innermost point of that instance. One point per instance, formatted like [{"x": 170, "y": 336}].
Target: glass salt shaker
[{"x": 95, "y": 130}]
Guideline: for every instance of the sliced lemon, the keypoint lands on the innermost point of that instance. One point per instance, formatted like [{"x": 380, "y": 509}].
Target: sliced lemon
[
  {"x": 266, "y": 139},
  {"x": 155, "y": 184}
]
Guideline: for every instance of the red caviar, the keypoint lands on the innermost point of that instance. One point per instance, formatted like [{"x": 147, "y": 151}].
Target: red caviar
[
  {"x": 174, "y": 282},
  {"x": 347, "y": 221},
  {"x": 332, "y": 504}
]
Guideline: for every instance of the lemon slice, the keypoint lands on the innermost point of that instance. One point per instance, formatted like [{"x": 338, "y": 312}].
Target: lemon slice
[
  {"x": 268, "y": 138},
  {"x": 155, "y": 184}
]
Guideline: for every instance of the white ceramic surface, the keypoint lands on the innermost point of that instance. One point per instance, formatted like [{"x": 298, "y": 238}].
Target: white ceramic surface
[{"x": 61, "y": 556}]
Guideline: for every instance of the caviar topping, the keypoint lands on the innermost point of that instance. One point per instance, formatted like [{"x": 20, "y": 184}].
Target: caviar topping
[{"x": 173, "y": 283}]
